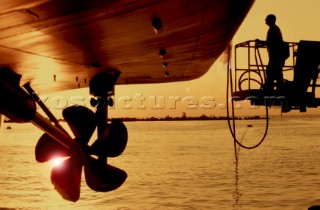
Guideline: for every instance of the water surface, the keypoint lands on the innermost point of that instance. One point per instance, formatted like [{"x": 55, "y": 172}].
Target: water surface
[{"x": 181, "y": 165}]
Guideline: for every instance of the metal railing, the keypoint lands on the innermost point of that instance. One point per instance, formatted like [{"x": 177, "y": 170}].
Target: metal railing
[{"x": 250, "y": 67}]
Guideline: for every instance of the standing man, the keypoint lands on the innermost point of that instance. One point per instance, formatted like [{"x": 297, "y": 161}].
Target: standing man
[{"x": 274, "y": 43}]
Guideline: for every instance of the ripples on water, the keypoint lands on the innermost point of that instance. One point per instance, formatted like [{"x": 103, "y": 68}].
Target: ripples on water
[{"x": 180, "y": 165}]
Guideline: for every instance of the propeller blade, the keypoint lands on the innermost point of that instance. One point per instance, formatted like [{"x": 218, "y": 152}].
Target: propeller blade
[
  {"x": 102, "y": 177},
  {"x": 47, "y": 148},
  {"x": 81, "y": 121},
  {"x": 113, "y": 142},
  {"x": 66, "y": 178}
]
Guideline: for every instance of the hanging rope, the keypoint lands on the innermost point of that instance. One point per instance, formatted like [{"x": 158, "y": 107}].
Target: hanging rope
[{"x": 231, "y": 120}]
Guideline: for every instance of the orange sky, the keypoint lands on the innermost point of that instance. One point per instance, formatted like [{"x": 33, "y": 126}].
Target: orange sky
[{"x": 298, "y": 20}]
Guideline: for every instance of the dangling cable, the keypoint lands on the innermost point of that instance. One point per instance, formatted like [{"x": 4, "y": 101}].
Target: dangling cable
[
  {"x": 232, "y": 127},
  {"x": 237, "y": 149}
]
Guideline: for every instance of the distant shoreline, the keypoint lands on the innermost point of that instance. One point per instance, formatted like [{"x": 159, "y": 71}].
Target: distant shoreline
[
  {"x": 127, "y": 119},
  {"x": 203, "y": 117}
]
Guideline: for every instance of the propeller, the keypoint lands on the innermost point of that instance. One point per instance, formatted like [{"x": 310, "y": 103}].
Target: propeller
[
  {"x": 66, "y": 178},
  {"x": 113, "y": 141},
  {"x": 99, "y": 175}
]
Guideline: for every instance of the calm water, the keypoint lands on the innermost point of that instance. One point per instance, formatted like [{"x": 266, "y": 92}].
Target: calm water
[{"x": 180, "y": 165}]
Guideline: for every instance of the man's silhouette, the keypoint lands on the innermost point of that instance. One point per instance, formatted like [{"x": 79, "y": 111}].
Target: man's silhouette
[{"x": 274, "y": 43}]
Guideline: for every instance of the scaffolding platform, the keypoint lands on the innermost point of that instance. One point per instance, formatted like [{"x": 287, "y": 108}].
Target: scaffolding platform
[{"x": 302, "y": 67}]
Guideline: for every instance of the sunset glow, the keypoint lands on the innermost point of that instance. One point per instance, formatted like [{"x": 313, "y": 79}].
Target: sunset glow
[{"x": 57, "y": 162}]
